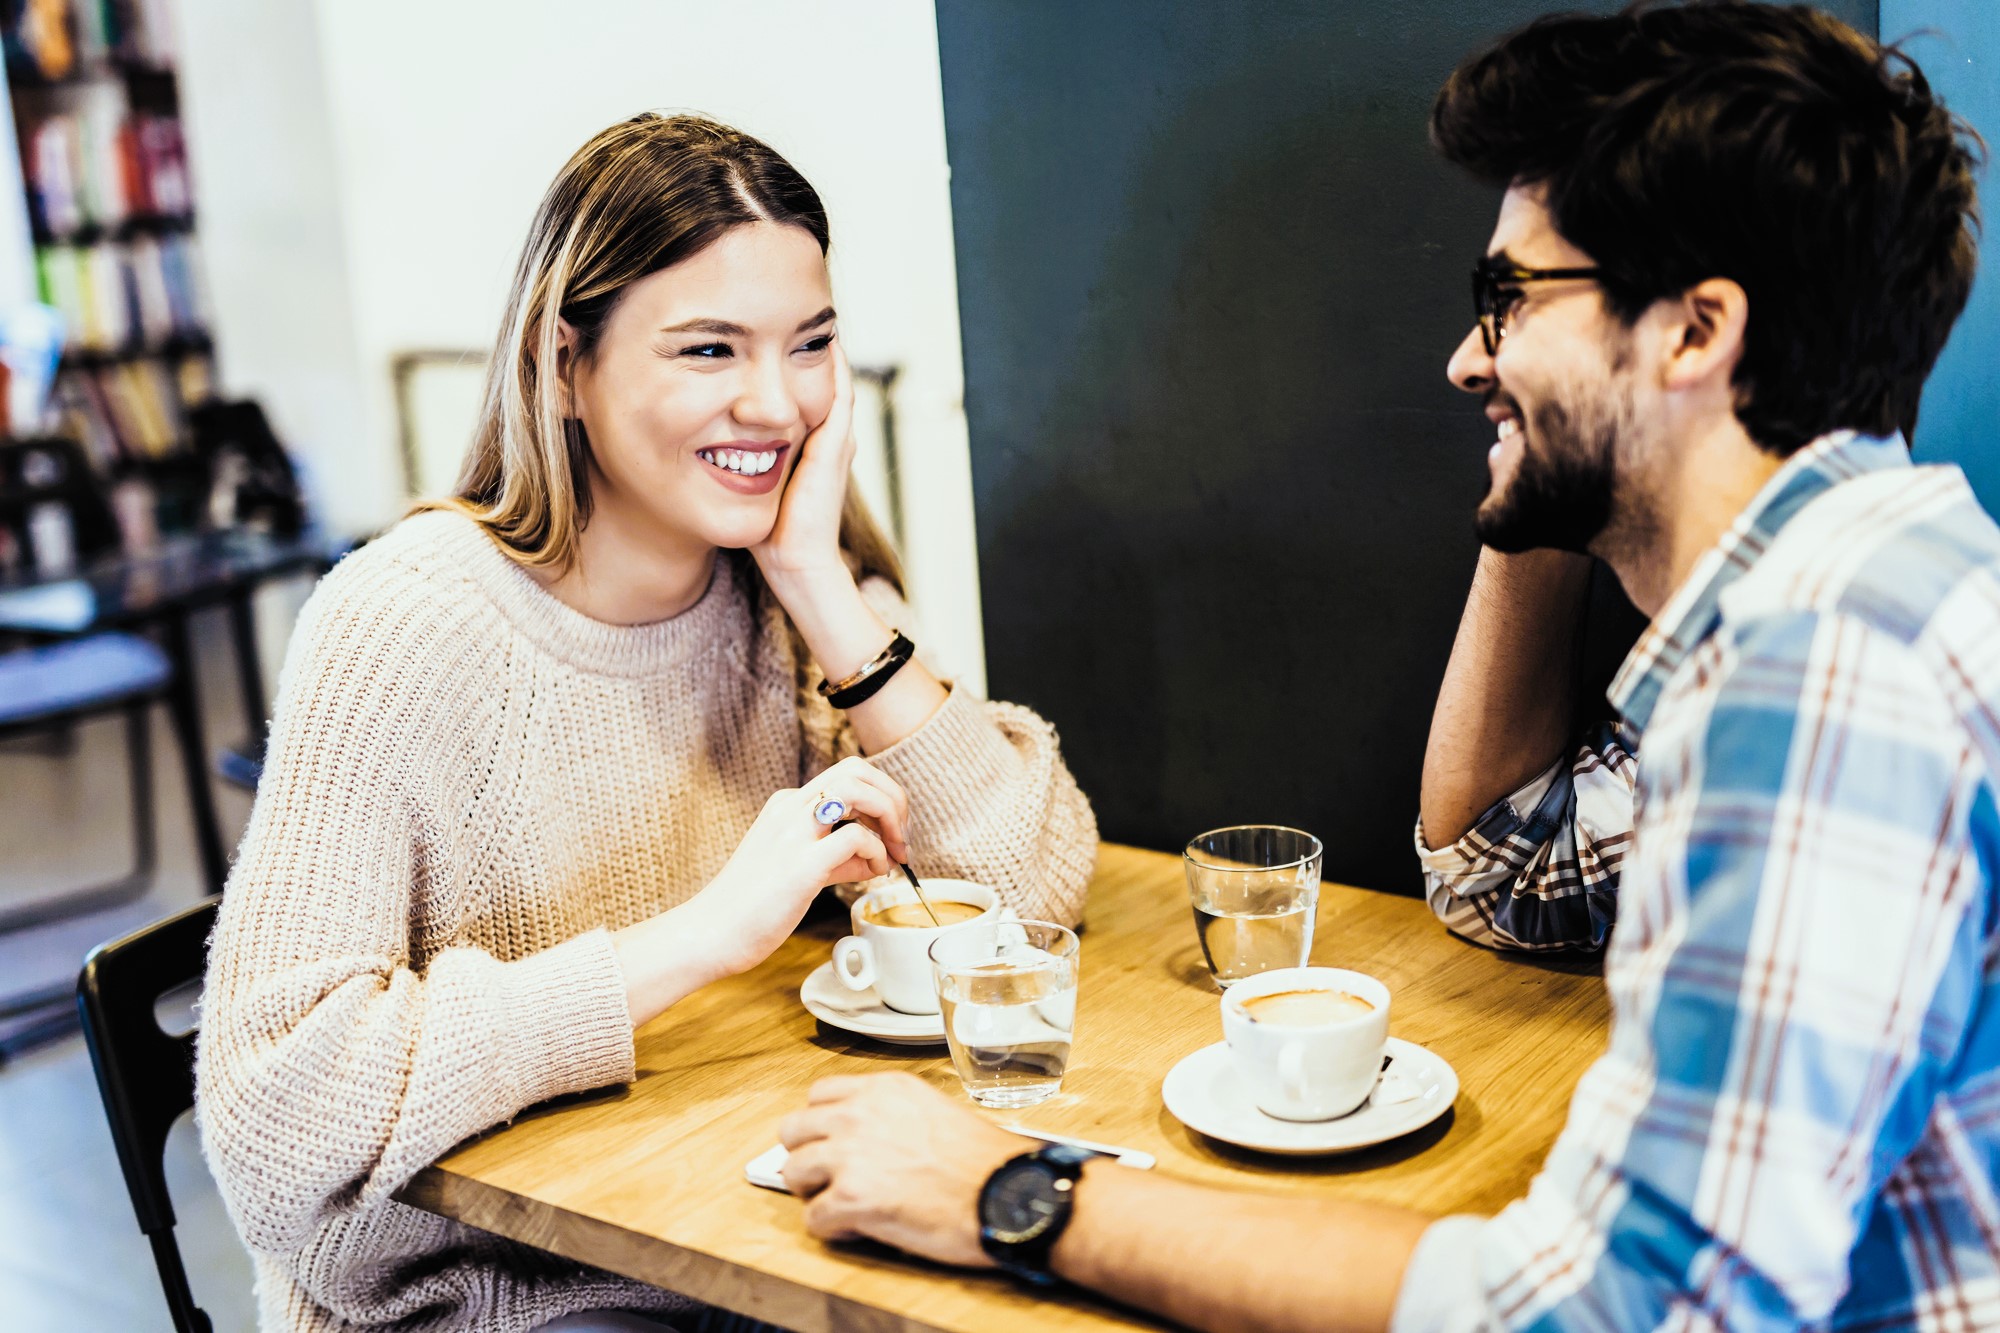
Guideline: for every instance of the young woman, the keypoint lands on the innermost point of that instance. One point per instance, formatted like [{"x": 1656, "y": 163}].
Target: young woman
[{"x": 550, "y": 756}]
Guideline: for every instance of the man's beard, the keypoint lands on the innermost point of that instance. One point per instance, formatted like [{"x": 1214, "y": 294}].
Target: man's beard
[{"x": 1562, "y": 489}]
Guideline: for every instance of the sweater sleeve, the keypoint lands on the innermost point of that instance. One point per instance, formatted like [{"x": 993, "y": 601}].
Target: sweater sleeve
[
  {"x": 333, "y": 1062},
  {"x": 992, "y": 801},
  {"x": 990, "y": 798}
]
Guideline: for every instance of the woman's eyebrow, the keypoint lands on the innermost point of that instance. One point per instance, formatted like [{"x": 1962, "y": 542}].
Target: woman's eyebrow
[
  {"x": 728, "y": 330},
  {"x": 721, "y": 326}
]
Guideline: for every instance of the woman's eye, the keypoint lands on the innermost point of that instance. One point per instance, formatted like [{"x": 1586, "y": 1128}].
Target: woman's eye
[
  {"x": 1505, "y": 300},
  {"x": 819, "y": 344},
  {"x": 708, "y": 351}
]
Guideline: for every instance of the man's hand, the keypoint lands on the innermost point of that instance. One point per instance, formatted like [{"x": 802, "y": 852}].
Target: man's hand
[{"x": 888, "y": 1157}]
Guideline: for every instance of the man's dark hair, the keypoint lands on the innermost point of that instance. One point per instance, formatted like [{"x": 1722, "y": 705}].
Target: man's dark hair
[{"x": 1774, "y": 146}]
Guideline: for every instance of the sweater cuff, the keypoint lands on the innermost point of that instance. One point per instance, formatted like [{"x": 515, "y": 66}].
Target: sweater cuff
[
  {"x": 568, "y": 1024},
  {"x": 954, "y": 765}
]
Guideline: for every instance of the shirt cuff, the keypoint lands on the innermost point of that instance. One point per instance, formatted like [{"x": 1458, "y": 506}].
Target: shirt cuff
[
  {"x": 1502, "y": 820},
  {"x": 569, "y": 1026},
  {"x": 1441, "y": 1292}
]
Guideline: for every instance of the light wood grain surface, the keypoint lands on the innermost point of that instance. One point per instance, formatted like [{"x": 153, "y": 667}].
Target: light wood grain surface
[{"x": 647, "y": 1180}]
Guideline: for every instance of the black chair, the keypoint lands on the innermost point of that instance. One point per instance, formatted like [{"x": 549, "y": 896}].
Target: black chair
[{"x": 145, "y": 1075}]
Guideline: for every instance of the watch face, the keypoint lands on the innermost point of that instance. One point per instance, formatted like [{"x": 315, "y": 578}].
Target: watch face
[{"x": 1022, "y": 1200}]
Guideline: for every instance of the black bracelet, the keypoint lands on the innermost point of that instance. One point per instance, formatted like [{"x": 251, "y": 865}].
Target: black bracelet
[{"x": 861, "y": 686}]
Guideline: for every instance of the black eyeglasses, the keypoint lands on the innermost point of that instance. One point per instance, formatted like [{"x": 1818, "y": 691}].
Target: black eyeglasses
[{"x": 1491, "y": 276}]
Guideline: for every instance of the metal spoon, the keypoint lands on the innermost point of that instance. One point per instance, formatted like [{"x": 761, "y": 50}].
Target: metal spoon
[
  {"x": 911, "y": 876},
  {"x": 908, "y": 874}
]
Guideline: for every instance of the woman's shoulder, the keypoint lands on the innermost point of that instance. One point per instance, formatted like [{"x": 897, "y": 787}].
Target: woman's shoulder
[{"x": 411, "y": 591}]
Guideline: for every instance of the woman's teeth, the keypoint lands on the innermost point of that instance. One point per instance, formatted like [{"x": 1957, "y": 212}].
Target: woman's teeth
[{"x": 737, "y": 460}]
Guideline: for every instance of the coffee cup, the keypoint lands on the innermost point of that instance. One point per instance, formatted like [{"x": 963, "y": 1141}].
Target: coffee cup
[
  {"x": 889, "y": 950},
  {"x": 1307, "y": 1041}
]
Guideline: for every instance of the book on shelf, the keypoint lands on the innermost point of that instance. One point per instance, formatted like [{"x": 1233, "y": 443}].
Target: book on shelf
[
  {"x": 116, "y": 295},
  {"x": 132, "y": 410},
  {"x": 63, "y": 39},
  {"x": 99, "y": 164}
]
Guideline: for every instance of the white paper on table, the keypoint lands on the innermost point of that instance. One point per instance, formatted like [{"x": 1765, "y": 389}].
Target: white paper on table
[{"x": 767, "y": 1168}]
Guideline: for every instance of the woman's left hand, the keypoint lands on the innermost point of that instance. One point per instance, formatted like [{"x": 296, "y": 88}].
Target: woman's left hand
[{"x": 805, "y": 542}]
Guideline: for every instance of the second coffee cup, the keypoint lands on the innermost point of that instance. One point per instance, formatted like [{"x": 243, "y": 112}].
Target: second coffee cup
[
  {"x": 1307, "y": 1040},
  {"x": 889, "y": 950}
]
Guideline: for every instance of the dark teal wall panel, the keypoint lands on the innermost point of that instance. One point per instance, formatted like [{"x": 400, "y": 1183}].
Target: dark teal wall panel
[
  {"x": 1209, "y": 273},
  {"x": 1958, "y": 44}
]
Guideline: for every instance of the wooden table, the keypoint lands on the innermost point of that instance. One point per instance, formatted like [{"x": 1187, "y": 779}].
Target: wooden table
[{"x": 648, "y": 1181}]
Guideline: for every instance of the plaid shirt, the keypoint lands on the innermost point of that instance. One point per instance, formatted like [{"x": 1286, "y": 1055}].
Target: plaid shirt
[{"x": 1797, "y": 1121}]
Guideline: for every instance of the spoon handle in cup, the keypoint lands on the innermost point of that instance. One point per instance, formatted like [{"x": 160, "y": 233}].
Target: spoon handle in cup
[{"x": 910, "y": 875}]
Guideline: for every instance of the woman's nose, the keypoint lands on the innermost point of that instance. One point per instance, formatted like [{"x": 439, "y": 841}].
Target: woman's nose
[{"x": 767, "y": 398}]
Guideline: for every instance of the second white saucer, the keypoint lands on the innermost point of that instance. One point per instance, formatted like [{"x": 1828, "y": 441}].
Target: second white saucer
[
  {"x": 864, "y": 1013},
  {"x": 1204, "y": 1094}
]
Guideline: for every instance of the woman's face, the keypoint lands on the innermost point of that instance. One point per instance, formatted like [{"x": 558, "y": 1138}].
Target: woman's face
[{"x": 706, "y": 381}]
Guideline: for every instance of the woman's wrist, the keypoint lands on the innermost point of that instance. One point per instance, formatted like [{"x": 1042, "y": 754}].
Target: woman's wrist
[
  {"x": 841, "y": 631},
  {"x": 668, "y": 957}
]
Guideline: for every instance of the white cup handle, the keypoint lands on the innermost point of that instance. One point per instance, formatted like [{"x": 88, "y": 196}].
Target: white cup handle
[
  {"x": 1292, "y": 1070},
  {"x": 1010, "y": 935},
  {"x": 854, "y": 963}
]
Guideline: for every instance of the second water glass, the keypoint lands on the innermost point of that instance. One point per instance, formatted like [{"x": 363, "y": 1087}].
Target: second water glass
[{"x": 1255, "y": 891}]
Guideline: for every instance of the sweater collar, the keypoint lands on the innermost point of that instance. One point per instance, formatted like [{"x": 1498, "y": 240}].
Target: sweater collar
[{"x": 720, "y": 616}]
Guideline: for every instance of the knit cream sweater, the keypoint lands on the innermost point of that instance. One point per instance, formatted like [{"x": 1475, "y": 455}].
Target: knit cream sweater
[{"x": 468, "y": 786}]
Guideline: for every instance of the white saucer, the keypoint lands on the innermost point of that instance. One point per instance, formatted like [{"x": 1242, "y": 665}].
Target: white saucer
[
  {"x": 864, "y": 1013},
  {"x": 1204, "y": 1094}
]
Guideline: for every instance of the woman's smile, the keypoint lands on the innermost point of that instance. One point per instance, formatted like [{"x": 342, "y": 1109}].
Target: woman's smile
[{"x": 748, "y": 467}]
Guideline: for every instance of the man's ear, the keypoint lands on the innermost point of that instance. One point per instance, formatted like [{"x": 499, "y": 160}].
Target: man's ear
[
  {"x": 566, "y": 345},
  {"x": 1706, "y": 338}
]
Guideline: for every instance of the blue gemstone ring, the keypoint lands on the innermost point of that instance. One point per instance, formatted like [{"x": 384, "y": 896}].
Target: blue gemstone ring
[{"x": 830, "y": 811}]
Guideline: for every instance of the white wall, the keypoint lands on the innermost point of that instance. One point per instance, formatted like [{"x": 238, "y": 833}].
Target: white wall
[
  {"x": 267, "y": 199},
  {"x": 425, "y": 135}
]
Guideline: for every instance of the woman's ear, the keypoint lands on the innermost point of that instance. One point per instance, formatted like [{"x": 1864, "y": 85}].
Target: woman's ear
[{"x": 566, "y": 345}]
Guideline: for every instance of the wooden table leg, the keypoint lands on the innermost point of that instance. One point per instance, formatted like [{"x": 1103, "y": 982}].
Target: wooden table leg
[{"x": 184, "y": 707}]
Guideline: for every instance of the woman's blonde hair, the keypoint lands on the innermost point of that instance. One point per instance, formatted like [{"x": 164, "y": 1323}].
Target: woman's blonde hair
[{"x": 639, "y": 197}]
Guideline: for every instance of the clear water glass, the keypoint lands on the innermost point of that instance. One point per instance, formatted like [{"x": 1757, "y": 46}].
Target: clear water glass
[
  {"x": 1255, "y": 891},
  {"x": 1009, "y": 1008}
]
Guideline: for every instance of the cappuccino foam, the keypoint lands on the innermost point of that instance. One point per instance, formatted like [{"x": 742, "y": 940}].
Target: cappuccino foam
[{"x": 1306, "y": 1008}]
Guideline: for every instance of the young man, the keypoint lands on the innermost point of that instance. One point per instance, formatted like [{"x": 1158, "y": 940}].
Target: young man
[{"x": 1733, "y": 241}]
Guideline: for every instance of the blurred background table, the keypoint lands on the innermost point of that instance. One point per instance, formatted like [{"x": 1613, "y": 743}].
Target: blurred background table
[
  {"x": 647, "y": 1180},
  {"x": 159, "y": 591}
]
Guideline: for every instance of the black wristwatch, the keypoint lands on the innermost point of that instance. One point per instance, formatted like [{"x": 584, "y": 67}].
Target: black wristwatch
[{"x": 1024, "y": 1207}]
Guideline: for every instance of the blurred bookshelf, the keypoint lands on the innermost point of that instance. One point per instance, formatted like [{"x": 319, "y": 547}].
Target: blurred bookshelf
[{"x": 110, "y": 213}]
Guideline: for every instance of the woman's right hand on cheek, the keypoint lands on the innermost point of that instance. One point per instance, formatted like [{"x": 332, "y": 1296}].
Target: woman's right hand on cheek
[{"x": 788, "y": 856}]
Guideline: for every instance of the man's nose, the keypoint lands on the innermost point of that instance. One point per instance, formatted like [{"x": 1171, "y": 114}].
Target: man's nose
[{"x": 1471, "y": 366}]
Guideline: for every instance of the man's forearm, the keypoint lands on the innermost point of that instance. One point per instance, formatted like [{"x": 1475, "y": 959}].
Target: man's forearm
[
  {"x": 1217, "y": 1260},
  {"x": 1505, "y": 710}
]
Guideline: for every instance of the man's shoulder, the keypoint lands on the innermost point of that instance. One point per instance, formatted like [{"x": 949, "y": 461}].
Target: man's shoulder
[{"x": 1907, "y": 553}]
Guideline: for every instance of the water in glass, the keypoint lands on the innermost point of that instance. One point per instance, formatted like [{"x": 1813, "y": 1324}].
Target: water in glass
[
  {"x": 1255, "y": 893},
  {"x": 1009, "y": 1016}
]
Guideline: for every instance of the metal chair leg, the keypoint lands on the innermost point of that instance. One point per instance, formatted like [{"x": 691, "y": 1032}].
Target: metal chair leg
[{"x": 185, "y": 707}]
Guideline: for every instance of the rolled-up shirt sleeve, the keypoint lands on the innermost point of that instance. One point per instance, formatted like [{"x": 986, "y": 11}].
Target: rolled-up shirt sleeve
[{"x": 1539, "y": 870}]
